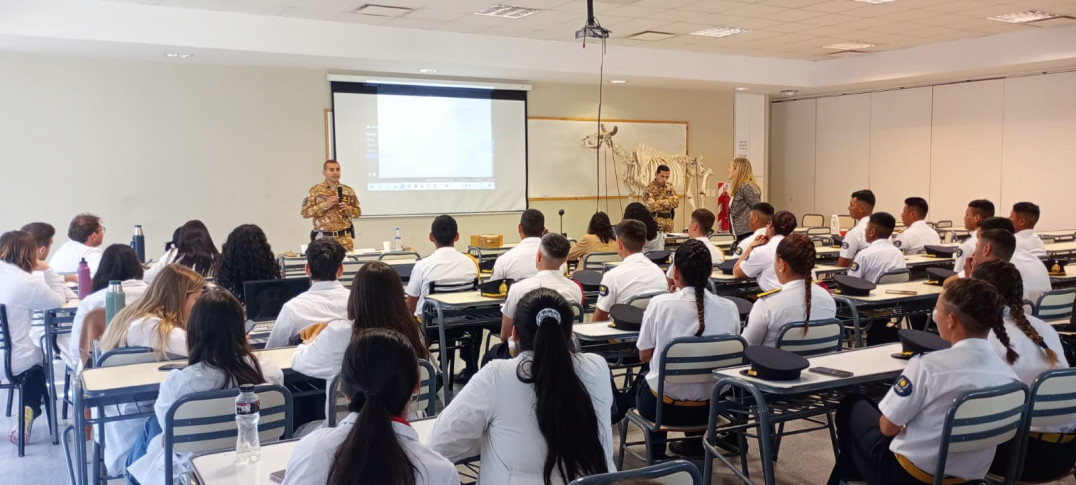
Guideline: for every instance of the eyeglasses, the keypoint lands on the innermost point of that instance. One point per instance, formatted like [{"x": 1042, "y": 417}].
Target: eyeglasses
[{"x": 102, "y": 229}]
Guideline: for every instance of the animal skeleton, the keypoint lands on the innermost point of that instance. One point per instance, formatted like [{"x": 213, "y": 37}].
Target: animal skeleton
[{"x": 642, "y": 162}]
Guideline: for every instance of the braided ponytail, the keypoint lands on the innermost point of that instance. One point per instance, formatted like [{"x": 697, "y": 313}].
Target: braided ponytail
[
  {"x": 979, "y": 308},
  {"x": 1006, "y": 279},
  {"x": 695, "y": 263},
  {"x": 797, "y": 251}
]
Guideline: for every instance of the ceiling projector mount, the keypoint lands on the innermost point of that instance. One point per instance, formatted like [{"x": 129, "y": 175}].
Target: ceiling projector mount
[{"x": 592, "y": 29}]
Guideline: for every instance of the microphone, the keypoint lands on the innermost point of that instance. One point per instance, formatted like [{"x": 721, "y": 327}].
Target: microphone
[
  {"x": 339, "y": 194},
  {"x": 561, "y": 213}
]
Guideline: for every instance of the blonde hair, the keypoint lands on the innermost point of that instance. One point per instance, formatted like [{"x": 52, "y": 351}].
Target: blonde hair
[
  {"x": 744, "y": 174},
  {"x": 164, "y": 299}
]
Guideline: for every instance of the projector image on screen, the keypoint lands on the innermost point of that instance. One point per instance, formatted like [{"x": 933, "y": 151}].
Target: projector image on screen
[{"x": 408, "y": 151}]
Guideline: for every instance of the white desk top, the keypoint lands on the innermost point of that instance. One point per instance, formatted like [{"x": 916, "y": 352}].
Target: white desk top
[
  {"x": 1060, "y": 247},
  {"x": 602, "y": 331},
  {"x": 464, "y": 298},
  {"x": 879, "y": 294},
  {"x": 924, "y": 259},
  {"x": 868, "y": 364},
  {"x": 1060, "y": 232},
  {"x": 505, "y": 247},
  {"x": 221, "y": 468},
  {"x": 827, "y": 251},
  {"x": 149, "y": 374}
]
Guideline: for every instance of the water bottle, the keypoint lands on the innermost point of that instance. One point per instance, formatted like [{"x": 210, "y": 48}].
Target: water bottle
[
  {"x": 834, "y": 224},
  {"x": 320, "y": 235},
  {"x": 115, "y": 300},
  {"x": 248, "y": 447},
  {"x": 85, "y": 282},
  {"x": 397, "y": 241},
  {"x": 138, "y": 242}
]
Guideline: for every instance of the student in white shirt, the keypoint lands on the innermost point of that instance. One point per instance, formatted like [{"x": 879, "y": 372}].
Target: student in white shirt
[
  {"x": 193, "y": 248},
  {"x": 220, "y": 358},
  {"x": 798, "y": 300},
  {"x": 690, "y": 311},
  {"x": 1024, "y": 216},
  {"x": 22, "y": 293},
  {"x": 325, "y": 301},
  {"x": 43, "y": 233},
  {"x": 518, "y": 263},
  {"x": 761, "y": 213},
  {"x": 84, "y": 238},
  {"x": 634, "y": 276},
  {"x": 898, "y": 441},
  {"x": 1040, "y": 350},
  {"x": 916, "y": 234},
  {"x": 860, "y": 207},
  {"x": 158, "y": 320},
  {"x": 996, "y": 241},
  {"x": 376, "y": 301},
  {"x": 374, "y": 443},
  {"x": 541, "y": 417},
  {"x": 119, "y": 263},
  {"x": 551, "y": 255},
  {"x": 977, "y": 210},
  {"x": 655, "y": 239},
  {"x": 757, "y": 261},
  {"x": 880, "y": 256},
  {"x": 702, "y": 222}
]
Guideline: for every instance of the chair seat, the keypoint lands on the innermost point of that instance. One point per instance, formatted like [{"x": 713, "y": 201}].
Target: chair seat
[{"x": 635, "y": 417}]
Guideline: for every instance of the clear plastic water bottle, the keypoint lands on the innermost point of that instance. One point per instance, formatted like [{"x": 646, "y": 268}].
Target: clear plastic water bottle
[
  {"x": 397, "y": 241},
  {"x": 834, "y": 224},
  {"x": 85, "y": 282},
  {"x": 248, "y": 447},
  {"x": 115, "y": 300},
  {"x": 320, "y": 235}
]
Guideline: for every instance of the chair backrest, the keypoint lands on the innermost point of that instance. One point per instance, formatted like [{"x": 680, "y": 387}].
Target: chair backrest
[
  {"x": 643, "y": 299},
  {"x": 822, "y": 337},
  {"x": 205, "y": 421},
  {"x": 411, "y": 255},
  {"x": 724, "y": 237},
  {"x": 984, "y": 418},
  {"x": 350, "y": 268},
  {"x": 596, "y": 261},
  {"x": 5, "y": 343},
  {"x": 436, "y": 287},
  {"x": 125, "y": 356},
  {"x": 1053, "y": 398},
  {"x": 691, "y": 360},
  {"x": 674, "y": 472},
  {"x": 813, "y": 220},
  {"x": 943, "y": 224},
  {"x": 1055, "y": 304},
  {"x": 846, "y": 221},
  {"x": 577, "y": 311},
  {"x": 894, "y": 276},
  {"x": 424, "y": 401},
  {"x": 818, "y": 231}
]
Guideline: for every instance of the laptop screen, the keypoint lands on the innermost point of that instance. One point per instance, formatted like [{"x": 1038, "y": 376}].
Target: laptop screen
[{"x": 266, "y": 297}]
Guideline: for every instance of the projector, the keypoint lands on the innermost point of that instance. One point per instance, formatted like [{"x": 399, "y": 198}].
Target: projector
[{"x": 593, "y": 31}]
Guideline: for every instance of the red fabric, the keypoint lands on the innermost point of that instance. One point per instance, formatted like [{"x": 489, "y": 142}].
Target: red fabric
[
  {"x": 723, "y": 207},
  {"x": 400, "y": 420}
]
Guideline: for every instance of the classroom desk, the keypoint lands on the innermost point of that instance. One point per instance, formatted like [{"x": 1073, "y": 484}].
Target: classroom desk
[
  {"x": 56, "y": 322},
  {"x": 886, "y": 305},
  {"x": 810, "y": 395},
  {"x": 916, "y": 260},
  {"x": 1066, "y": 280},
  {"x": 468, "y": 309},
  {"x": 1065, "y": 250},
  {"x": 827, "y": 253},
  {"x": 483, "y": 254},
  {"x": 220, "y": 468},
  {"x": 1061, "y": 232},
  {"x": 602, "y": 332}
]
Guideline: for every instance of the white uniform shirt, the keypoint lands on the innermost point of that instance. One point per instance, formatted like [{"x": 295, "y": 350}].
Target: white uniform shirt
[
  {"x": 922, "y": 395},
  {"x": 1033, "y": 272},
  {"x": 445, "y": 266},
  {"x": 132, "y": 291},
  {"x": 324, "y": 302},
  {"x": 776, "y": 310},
  {"x": 634, "y": 276},
  {"x": 966, "y": 249},
  {"x": 548, "y": 278},
  {"x": 67, "y": 257},
  {"x": 759, "y": 264},
  {"x": 1032, "y": 361},
  {"x": 715, "y": 255},
  {"x": 742, "y": 247},
  {"x": 1031, "y": 242},
  {"x": 912, "y": 239},
  {"x": 149, "y": 469},
  {"x": 143, "y": 333},
  {"x": 876, "y": 260},
  {"x": 494, "y": 415},
  {"x": 22, "y": 293},
  {"x": 166, "y": 259},
  {"x": 656, "y": 244},
  {"x": 855, "y": 239},
  {"x": 322, "y": 357},
  {"x": 314, "y": 454},
  {"x": 519, "y": 262},
  {"x": 675, "y": 315}
]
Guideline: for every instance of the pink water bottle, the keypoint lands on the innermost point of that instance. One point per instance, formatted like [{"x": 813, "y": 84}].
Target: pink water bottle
[{"x": 85, "y": 283}]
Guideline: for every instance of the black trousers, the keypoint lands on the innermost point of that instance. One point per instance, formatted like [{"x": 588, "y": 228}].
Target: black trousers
[
  {"x": 647, "y": 404},
  {"x": 1043, "y": 462},
  {"x": 33, "y": 388},
  {"x": 864, "y": 450}
]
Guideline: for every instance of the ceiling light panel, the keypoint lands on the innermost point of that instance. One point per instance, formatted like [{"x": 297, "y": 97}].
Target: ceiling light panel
[
  {"x": 1024, "y": 17},
  {"x": 381, "y": 10},
  {"x": 848, "y": 46},
  {"x": 720, "y": 31},
  {"x": 651, "y": 35},
  {"x": 507, "y": 11}
]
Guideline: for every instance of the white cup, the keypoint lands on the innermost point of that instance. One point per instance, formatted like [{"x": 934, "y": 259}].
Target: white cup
[{"x": 386, "y": 245}]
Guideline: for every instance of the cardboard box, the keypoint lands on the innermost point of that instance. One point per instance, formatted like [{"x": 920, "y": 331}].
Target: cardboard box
[{"x": 487, "y": 240}]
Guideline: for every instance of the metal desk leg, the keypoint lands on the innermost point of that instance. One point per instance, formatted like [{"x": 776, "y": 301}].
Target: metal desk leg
[
  {"x": 446, "y": 378},
  {"x": 50, "y": 376},
  {"x": 79, "y": 411}
]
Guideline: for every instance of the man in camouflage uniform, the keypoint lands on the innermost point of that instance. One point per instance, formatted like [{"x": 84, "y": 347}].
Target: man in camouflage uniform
[
  {"x": 332, "y": 213},
  {"x": 661, "y": 199}
]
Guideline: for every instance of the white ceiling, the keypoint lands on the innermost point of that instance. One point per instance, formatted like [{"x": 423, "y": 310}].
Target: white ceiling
[{"x": 789, "y": 29}]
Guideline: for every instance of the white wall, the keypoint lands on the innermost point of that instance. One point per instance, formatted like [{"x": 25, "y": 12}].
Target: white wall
[
  {"x": 158, "y": 143},
  {"x": 1006, "y": 140}
]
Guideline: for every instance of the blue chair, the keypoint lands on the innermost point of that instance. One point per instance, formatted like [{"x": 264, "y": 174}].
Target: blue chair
[
  {"x": 1053, "y": 403},
  {"x": 675, "y": 472},
  {"x": 985, "y": 418},
  {"x": 821, "y": 337},
  {"x": 1056, "y": 304},
  {"x": 425, "y": 401},
  {"x": 15, "y": 383}
]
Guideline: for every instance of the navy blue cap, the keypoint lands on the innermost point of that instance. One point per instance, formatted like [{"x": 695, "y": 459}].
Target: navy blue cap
[
  {"x": 726, "y": 266},
  {"x": 918, "y": 342},
  {"x": 852, "y": 286},
  {"x": 937, "y": 276},
  {"x": 659, "y": 256},
  {"x": 940, "y": 251},
  {"x": 495, "y": 288},
  {"x": 774, "y": 364},
  {"x": 589, "y": 278},
  {"x": 626, "y": 317}
]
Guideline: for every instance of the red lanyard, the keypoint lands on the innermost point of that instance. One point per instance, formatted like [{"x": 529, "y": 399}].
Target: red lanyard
[{"x": 400, "y": 420}]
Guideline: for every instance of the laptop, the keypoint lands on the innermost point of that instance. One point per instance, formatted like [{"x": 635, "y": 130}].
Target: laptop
[{"x": 265, "y": 298}]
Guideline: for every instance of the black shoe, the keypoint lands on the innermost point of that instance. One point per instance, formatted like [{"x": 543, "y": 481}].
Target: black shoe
[{"x": 692, "y": 447}]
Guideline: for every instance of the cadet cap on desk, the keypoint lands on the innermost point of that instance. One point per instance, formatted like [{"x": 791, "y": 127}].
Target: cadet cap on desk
[
  {"x": 1056, "y": 267},
  {"x": 495, "y": 288},
  {"x": 940, "y": 251},
  {"x": 918, "y": 342},
  {"x": 937, "y": 276},
  {"x": 726, "y": 266},
  {"x": 837, "y": 239},
  {"x": 658, "y": 256},
  {"x": 590, "y": 279},
  {"x": 852, "y": 286},
  {"x": 773, "y": 364},
  {"x": 626, "y": 317}
]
